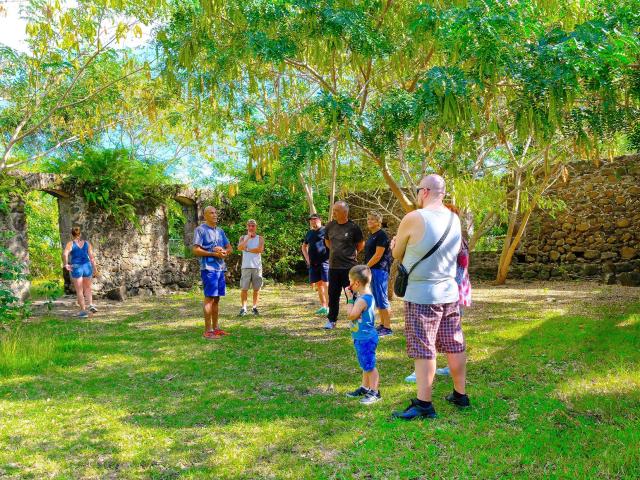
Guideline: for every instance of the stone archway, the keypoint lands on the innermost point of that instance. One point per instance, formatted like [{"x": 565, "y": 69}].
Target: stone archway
[{"x": 133, "y": 260}]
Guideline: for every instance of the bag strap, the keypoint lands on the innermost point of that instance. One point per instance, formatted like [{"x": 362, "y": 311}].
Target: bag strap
[{"x": 436, "y": 246}]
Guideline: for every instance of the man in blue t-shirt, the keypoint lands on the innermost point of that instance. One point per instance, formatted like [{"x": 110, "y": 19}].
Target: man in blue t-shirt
[
  {"x": 212, "y": 246},
  {"x": 316, "y": 254}
]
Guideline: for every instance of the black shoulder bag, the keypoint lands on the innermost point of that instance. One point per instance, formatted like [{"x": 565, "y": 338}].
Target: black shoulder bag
[{"x": 402, "y": 279}]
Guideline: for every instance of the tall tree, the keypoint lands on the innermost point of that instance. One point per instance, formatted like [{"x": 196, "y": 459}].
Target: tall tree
[
  {"x": 68, "y": 86},
  {"x": 418, "y": 86}
]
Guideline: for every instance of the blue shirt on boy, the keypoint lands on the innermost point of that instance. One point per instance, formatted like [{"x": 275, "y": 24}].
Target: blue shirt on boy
[
  {"x": 208, "y": 238},
  {"x": 364, "y": 327}
]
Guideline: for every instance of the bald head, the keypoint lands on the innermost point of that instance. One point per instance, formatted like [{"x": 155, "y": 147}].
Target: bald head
[
  {"x": 434, "y": 182},
  {"x": 431, "y": 191}
]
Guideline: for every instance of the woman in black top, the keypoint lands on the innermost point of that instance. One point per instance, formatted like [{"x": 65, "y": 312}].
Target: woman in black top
[{"x": 377, "y": 256}]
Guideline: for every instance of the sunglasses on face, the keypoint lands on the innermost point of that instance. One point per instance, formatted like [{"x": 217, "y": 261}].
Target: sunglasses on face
[{"x": 422, "y": 188}]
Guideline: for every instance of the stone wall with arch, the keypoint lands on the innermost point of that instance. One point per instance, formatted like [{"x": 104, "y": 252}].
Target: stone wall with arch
[{"x": 132, "y": 260}]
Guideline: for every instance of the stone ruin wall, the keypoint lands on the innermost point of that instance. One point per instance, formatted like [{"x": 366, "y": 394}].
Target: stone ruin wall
[
  {"x": 597, "y": 236},
  {"x": 131, "y": 260}
]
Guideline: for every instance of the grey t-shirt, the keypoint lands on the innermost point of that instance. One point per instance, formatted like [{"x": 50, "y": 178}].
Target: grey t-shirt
[{"x": 344, "y": 238}]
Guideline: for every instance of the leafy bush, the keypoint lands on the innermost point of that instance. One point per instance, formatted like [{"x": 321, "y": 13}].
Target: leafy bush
[
  {"x": 282, "y": 221},
  {"x": 116, "y": 182},
  {"x": 11, "y": 270},
  {"x": 45, "y": 249},
  {"x": 9, "y": 187}
]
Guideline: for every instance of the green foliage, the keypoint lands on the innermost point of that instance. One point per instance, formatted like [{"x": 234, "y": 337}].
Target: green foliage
[
  {"x": 116, "y": 182},
  {"x": 9, "y": 187},
  {"x": 45, "y": 248},
  {"x": 176, "y": 222},
  {"x": 11, "y": 270},
  {"x": 282, "y": 221},
  {"x": 302, "y": 154},
  {"x": 48, "y": 290}
]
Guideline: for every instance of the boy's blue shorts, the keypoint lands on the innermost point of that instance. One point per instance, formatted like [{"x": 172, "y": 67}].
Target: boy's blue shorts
[
  {"x": 380, "y": 287},
  {"x": 81, "y": 270},
  {"x": 213, "y": 283},
  {"x": 366, "y": 352}
]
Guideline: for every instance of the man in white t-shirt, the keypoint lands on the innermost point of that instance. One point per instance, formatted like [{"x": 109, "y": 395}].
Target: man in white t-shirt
[{"x": 251, "y": 245}]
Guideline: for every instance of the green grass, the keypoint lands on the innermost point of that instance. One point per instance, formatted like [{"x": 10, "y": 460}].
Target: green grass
[
  {"x": 135, "y": 392},
  {"x": 46, "y": 289}
]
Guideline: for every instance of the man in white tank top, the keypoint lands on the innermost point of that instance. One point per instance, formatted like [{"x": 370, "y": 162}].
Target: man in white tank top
[
  {"x": 431, "y": 314},
  {"x": 251, "y": 245}
]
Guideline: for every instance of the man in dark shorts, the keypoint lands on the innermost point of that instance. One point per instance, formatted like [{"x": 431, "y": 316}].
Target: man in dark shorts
[
  {"x": 431, "y": 315},
  {"x": 316, "y": 254},
  {"x": 211, "y": 245},
  {"x": 344, "y": 240}
]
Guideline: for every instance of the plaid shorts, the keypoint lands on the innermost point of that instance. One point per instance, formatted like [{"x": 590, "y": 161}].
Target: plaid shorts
[{"x": 431, "y": 328}]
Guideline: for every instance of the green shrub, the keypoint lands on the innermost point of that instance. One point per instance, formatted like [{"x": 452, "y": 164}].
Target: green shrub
[
  {"x": 282, "y": 221},
  {"x": 116, "y": 182},
  {"x": 11, "y": 270},
  {"x": 45, "y": 249}
]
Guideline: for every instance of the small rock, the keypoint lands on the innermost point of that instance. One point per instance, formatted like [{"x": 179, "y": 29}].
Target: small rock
[
  {"x": 590, "y": 269},
  {"x": 629, "y": 279},
  {"x": 628, "y": 253},
  {"x": 591, "y": 254},
  {"x": 623, "y": 223},
  {"x": 118, "y": 294},
  {"x": 609, "y": 278},
  {"x": 582, "y": 227}
]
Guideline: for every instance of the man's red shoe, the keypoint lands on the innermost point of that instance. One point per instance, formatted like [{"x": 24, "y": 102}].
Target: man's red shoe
[
  {"x": 219, "y": 333},
  {"x": 211, "y": 334}
]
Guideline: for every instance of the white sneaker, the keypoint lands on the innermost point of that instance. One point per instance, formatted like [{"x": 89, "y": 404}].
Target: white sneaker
[
  {"x": 93, "y": 308},
  {"x": 329, "y": 325},
  {"x": 411, "y": 378},
  {"x": 443, "y": 371},
  {"x": 370, "y": 397}
]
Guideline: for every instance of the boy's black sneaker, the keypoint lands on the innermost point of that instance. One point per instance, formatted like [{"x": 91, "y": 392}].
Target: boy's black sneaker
[
  {"x": 415, "y": 410},
  {"x": 358, "y": 392},
  {"x": 255, "y": 311},
  {"x": 379, "y": 327},
  {"x": 458, "y": 400},
  {"x": 384, "y": 331}
]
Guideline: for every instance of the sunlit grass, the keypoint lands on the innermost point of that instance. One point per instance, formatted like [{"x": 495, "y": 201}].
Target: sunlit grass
[{"x": 135, "y": 392}]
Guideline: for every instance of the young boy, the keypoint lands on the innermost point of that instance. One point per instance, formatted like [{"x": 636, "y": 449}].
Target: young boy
[{"x": 360, "y": 310}]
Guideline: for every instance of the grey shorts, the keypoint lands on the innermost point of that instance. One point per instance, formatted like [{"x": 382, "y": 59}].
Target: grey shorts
[{"x": 251, "y": 277}]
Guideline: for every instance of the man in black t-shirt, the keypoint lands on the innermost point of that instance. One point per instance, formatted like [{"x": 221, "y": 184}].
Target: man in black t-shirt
[
  {"x": 316, "y": 254},
  {"x": 344, "y": 239}
]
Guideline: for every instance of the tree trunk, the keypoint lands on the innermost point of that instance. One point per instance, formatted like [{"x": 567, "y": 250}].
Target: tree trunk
[
  {"x": 514, "y": 243},
  {"x": 405, "y": 202},
  {"x": 505, "y": 259},
  {"x": 308, "y": 191},
  {"x": 334, "y": 175}
]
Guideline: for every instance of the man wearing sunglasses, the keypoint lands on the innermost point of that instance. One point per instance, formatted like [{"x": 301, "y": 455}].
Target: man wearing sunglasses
[{"x": 431, "y": 315}]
